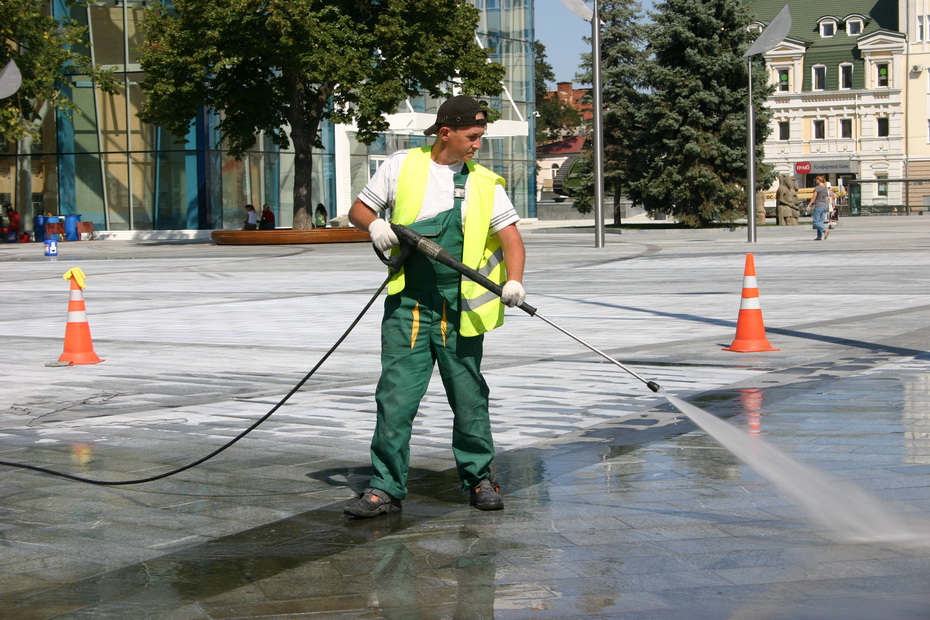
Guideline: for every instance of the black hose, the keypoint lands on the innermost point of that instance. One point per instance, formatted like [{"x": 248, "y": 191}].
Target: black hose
[
  {"x": 409, "y": 238},
  {"x": 228, "y": 444}
]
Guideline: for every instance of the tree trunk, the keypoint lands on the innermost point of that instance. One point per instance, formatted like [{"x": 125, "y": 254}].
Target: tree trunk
[
  {"x": 23, "y": 200},
  {"x": 618, "y": 207},
  {"x": 304, "y": 125}
]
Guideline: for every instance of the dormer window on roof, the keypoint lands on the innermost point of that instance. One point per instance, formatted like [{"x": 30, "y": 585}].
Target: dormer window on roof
[
  {"x": 827, "y": 26},
  {"x": 855, "y": 24}
]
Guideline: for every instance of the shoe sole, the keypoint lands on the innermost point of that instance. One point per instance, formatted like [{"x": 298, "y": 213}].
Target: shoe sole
[
  {"x": 381, "y": 509},
  {"x": 498, "y": 505}
]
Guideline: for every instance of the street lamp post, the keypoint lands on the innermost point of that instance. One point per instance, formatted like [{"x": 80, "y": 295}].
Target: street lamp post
[
  {"x": 10, "y": 80},
  {"x": 751, "y": 167},
  {"x": 773, "y": 34},
  {"x": 581, "y": 9}
]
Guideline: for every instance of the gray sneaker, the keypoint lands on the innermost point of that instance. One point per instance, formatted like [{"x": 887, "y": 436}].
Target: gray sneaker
[
  {"x": 486, "y": 496},
  {"x": 371, "y": 503}
]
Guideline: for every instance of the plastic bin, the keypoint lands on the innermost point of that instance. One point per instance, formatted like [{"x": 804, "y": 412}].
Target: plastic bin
[
  {"x": 71, "y": 233},
  {"x": 39, "y": 224},
  {"x": 52, "y": 219}
]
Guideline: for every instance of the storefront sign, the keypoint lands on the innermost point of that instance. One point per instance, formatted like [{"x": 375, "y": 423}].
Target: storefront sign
[{"x": 837, "y": 166}]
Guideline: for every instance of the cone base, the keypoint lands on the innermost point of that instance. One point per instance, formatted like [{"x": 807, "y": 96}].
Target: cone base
[
  {"x": 80, "y": 358},
  {"x": 750, "y": 346}
]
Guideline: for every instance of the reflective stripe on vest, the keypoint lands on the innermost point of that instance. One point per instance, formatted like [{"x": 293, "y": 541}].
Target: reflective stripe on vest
[{"x": 480, "y": 309}]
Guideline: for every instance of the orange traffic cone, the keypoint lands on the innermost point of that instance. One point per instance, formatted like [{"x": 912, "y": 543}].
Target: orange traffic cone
[
  {"x": 78, "y": 346},
  {"x": 750, "y": 330}
]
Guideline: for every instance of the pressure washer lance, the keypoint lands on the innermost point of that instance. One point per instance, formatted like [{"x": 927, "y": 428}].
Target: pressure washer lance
[{"x": 412, "y": 239}]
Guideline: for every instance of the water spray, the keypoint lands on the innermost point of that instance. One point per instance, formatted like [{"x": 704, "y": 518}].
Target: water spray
[{"x": 837, "y": 504}]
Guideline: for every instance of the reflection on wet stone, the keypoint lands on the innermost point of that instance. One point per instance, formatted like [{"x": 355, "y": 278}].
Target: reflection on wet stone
[{"x": 617, "y": 506}]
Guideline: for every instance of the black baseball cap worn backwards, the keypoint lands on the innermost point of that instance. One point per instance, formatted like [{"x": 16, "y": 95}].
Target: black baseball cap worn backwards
[{"x": 460, "y": 111}]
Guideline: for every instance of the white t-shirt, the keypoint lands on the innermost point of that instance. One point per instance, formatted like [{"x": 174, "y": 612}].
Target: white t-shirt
[{"x": 381, "y": 191}]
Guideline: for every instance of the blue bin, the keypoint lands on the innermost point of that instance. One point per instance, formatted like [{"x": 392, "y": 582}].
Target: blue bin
[
  {"x": 71, "y": 233},
  {"x": 52, "y": 219},
  {"x": 40, "y": 228}
]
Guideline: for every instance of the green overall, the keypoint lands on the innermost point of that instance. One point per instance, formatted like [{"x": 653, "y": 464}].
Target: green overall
[{"x": 421, "y": 328}]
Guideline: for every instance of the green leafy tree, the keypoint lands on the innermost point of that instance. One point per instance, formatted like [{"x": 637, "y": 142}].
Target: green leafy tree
[
  {"x": 554, "y": 117},
  {"x": 274, "y": 65},
  {"x": 623, "y": 95},
  {"x": 693, "y": 143},
  {"x": 47, "y": 52}
]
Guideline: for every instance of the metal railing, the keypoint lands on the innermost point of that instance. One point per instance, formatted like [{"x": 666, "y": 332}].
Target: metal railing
[{"x": 866, "y": 197}]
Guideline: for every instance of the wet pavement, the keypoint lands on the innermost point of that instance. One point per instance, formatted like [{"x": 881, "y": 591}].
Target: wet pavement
[{"x": 617, "y": 506}]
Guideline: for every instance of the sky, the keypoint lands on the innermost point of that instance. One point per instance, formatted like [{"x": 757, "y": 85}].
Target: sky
[{"x": 562, "y": 32}]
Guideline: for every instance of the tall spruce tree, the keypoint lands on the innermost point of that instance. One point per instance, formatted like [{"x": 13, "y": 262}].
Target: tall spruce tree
[
  {"x": 693, "y": 139},
  {"x": 622, "y": 93}
]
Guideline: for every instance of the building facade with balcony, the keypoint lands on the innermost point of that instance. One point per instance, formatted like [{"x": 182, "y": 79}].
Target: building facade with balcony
[{"x": 123, "y": 175}]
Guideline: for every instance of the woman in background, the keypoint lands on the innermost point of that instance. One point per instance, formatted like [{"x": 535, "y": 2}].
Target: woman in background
[
  {"x": 251, "y": 218},
  {"x": 822, "y": 201}
]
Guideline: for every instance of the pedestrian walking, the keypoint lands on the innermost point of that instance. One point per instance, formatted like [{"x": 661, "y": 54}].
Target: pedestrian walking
[
  {"x": 432, "y": 315},
  {"x": 822, "y": 203}
]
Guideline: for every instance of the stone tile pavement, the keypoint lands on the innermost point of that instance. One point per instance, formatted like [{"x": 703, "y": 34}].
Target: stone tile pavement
[{"x": 617, "y": 505}]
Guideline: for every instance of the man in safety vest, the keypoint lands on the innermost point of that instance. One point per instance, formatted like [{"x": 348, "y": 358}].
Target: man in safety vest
[{"x": 433, "y": 315}]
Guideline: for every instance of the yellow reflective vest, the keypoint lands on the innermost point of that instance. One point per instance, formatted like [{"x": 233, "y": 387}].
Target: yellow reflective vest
[{"x": 480, "y": 309}]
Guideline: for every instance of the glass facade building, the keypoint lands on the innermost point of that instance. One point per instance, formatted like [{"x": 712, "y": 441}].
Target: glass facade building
[{"x": 123, "y": 175}]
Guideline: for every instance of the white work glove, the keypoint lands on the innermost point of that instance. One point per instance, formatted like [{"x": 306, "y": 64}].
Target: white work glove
[
  {"x": 513, "y": 294},
  {"x": 382, "y": 236}
]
